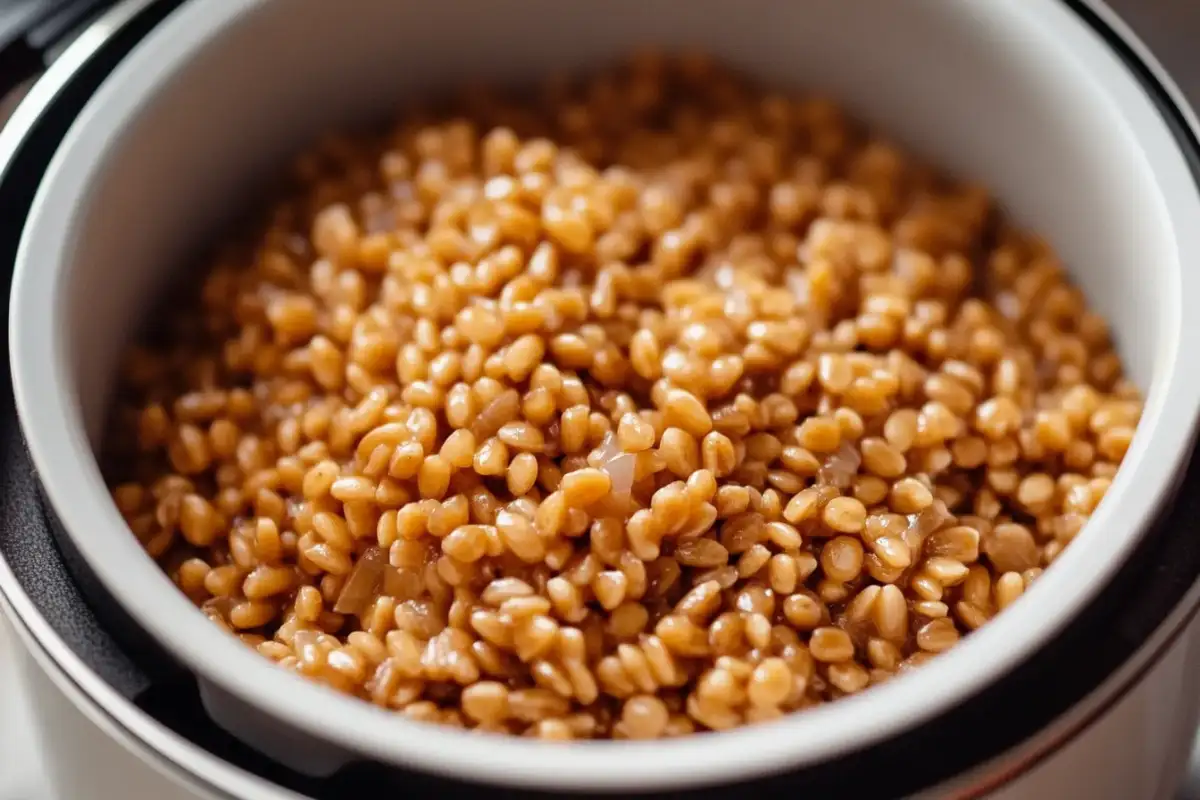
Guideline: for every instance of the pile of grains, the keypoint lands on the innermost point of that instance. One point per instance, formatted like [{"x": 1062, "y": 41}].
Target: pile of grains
[{"x": 646, "y": 404}]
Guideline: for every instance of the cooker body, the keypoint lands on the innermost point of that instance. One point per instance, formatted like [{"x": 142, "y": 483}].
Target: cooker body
[
  {"x": 1135, "y": 745},
  {"x": 1137, "y": 749},
  {"x": 159, "y": 159},
  {"x": 80, "y": 756},
  {"x": 1140, "y": 748}
]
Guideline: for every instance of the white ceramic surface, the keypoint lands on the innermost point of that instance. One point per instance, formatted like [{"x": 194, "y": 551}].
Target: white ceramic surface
[
  {"x": 22, "y": 773},
  {"x": 1017, "y": 95},
  {"x": 49, "y": 750}
]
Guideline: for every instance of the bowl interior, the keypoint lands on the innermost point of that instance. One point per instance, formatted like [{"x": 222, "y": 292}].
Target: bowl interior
[{"x": 1017, "y": 96}]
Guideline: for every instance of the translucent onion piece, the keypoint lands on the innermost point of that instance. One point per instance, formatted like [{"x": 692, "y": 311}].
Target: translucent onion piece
[
  {"x": 363, "y": 584},
  {"x": 606, "y": 452},
  {"x": 840, "y": 467},
  {"x": 621, "y": 468},
  {"x": 921, "y": 525},
  {"x": 502, "y": 409},
  {"x": 620, "y": 471}
]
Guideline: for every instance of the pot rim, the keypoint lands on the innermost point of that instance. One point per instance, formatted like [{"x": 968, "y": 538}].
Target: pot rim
[{"x": 65, "y": 462}]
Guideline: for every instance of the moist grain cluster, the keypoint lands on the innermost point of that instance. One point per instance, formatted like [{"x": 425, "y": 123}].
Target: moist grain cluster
[{"x": 649, "y": 403}]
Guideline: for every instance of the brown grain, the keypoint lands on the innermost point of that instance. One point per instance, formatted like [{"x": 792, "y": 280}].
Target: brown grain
[{"x": 666, "y": 404}]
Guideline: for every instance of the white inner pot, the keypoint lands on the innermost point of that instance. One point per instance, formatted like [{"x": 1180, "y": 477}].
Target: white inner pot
[{"x": 1021, "y": 96}]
